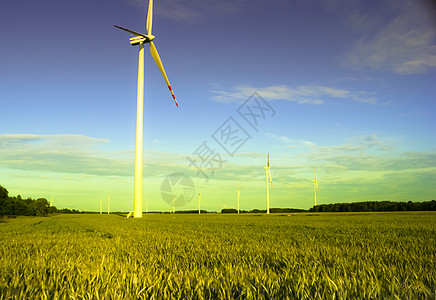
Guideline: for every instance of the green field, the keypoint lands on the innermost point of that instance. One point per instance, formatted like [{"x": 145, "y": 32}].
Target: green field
[{"x": 166, "y": 256}]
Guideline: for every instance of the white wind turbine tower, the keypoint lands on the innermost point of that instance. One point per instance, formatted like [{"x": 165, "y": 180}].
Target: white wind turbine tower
[
  {"x": 268, "y": 180},
  {"x": 199, "y": 203},
  {"x": 141, "y": 39},
  {"x": 239, "y": 197},
  {"x": 315, "y": 186}
]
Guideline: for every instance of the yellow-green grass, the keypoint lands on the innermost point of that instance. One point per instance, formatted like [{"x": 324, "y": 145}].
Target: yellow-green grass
[{"x": 301, "y": 256}]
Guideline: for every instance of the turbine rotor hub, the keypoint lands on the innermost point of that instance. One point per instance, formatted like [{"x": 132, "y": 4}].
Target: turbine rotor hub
[{"x": 136, "y": 40}]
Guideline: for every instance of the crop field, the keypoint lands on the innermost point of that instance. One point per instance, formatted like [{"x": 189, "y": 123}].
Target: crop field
[{"x": 218, "y": 256}]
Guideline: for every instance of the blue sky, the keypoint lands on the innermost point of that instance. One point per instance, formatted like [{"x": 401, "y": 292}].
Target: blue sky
[{"x": 351, "y": 84}]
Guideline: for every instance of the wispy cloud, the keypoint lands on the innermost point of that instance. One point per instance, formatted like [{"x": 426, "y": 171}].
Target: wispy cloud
[
  {"x": 57, "y": 153},
  {"x": 197, "y": 9},
  {"x": 357, "y": 143},
  {"x": 363, "y": 165},
  {"x": 343, "y": 168},
  {"x": 412, "y": 160},
  {"x": 367, "y": 153},
  {"x": 78, "y": 154},
  {"x": 361, "y": 169},
  {"x": 308, "y": 94},
  {"x": 60, "y": 142},
  {"x": 404, "y": 45},
  {"x": 292, "y": 143}
]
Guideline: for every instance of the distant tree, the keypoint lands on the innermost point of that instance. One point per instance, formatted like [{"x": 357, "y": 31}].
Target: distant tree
[
  {"x": 376, "y": 206},
  {"x": 52, "y": 210},
  {"x": 193, "y": 211},
  {"x": 286, "y": 210},
  {"x": 20, "y": 208},
  {"x": 4, "y": 200},
  {"x": 69, "y": 211},
  {"x": 7, "y": 207},
  {"x": 258, "y": 211},
  {"x": 41, "y": 206},
  {"x": 17, "y": 206},
  {"x": 4, "y": 194},
  {"x": 229, "y": 211},
  {"x": 431, "y": 205}
]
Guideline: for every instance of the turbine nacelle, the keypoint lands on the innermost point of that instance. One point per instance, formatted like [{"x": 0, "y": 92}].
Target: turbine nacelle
[
  {"x": 138, "y": 37},
  {"x": 136, "y": 40}
]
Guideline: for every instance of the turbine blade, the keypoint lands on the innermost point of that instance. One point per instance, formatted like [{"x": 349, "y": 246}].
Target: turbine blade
[
  {"x": 270, "y": 177},
  {"x": 161, "y": 68},
  {"x": 131, "y": 31},
  {"x": 149, "y": 17}
]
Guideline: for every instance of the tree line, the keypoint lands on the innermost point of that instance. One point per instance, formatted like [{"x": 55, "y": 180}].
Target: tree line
[
  {"x": 369, "y": 206},
  {"x": 17, "y": 206},
  {"x": 277, "y": 210}
]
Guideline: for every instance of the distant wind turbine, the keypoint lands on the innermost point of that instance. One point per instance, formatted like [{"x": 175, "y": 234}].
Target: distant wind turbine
[
  {"x": 239, "y": 196},
  {"x": 51, "y": 200},
  {"x": 199, "y": 203},
  {"x": 268, "y": 181},
  {"x": 141, "y": 39},
  {"x": 315, "y": 186},
  {"x": 108, "y": 203}
]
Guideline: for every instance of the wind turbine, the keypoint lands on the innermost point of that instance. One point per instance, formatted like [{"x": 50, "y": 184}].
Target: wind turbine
[
  {"x": 51, "y": 200},
  {"x": 199, "y": 203},
  {"x": 239, "y": 196},
  {"x": 315, "y": 186},
  {"x": 141, "y": 39},
  {"x": 268, "y": 180}
]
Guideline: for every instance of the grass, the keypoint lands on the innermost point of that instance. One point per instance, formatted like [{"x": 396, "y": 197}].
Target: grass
[{"x": 302, "y": 256}]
